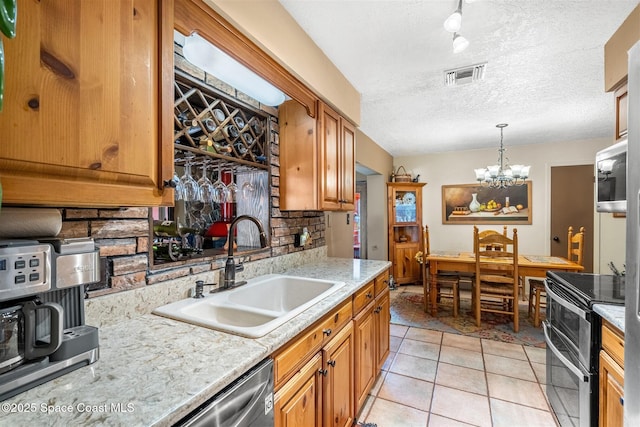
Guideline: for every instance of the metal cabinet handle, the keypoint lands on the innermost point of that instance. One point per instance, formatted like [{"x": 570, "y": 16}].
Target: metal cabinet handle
[
  {"x": 331, "y": 363},
  {"x": 323, "y": 372},
  {"x": 327, "y": 332},
  {"x": 369, "y": 296}
]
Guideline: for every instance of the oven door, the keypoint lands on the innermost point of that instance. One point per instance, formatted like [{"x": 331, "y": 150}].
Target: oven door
[{"x": 568, "y": 382}]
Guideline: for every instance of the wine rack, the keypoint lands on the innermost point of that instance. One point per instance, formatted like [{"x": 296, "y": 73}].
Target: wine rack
[{"x": 211, "y": 124}]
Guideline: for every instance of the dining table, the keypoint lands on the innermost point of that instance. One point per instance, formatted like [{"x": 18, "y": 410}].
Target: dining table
[{"x": 465, "y": 262}]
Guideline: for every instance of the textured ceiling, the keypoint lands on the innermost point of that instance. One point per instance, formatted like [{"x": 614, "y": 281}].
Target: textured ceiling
[{"x": 544, "y": 75}]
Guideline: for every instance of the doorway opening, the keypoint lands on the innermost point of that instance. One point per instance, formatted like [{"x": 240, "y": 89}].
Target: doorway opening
[{"x": 360, "y": 221}]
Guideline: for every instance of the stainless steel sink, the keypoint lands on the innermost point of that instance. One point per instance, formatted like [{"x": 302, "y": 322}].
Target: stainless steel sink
[{"x": 255, "y": 309}]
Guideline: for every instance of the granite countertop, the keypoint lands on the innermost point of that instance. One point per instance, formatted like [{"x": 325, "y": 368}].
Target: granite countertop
[
  {"x": 612, "y": 313},
  {"x": 154, "y": 370}
]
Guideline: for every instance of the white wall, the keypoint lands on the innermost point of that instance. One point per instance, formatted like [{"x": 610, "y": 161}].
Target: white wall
[{"x": 457, "y": 168}]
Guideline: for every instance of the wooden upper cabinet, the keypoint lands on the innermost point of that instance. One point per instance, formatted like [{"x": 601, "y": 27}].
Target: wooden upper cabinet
[
  {"x": 615, "y": 51},
  {"x": 87, "y": 118},
  {"x": 317, "y": 159},
  {"x": 622, "y": 112}
]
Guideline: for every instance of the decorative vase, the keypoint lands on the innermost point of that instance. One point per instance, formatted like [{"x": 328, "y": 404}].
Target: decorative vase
[{"x": 474, "y": 206}]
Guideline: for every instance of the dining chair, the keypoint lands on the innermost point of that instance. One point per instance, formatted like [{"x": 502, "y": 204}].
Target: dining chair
[
  {"x": 447, "y": 283},
  {"x": 575, "y": 252},
  {"x": 496, "y": 279}
]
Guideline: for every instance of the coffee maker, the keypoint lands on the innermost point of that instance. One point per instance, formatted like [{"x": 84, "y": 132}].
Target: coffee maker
[{"x": 42, "y": 329}]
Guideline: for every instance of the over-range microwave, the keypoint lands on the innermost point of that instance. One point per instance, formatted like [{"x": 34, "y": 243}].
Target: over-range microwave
[{"x": 611, "y": 183}]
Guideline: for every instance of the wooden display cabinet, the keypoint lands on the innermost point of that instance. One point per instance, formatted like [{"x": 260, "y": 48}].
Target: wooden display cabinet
[{"x": 404, "y": 201}]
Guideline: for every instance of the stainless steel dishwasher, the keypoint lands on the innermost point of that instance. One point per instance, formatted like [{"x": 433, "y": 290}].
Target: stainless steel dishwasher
[{"x": 247, "y": 402}]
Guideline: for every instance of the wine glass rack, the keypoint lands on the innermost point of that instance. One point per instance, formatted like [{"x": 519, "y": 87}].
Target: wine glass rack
[{"x": 211, "y": 124}]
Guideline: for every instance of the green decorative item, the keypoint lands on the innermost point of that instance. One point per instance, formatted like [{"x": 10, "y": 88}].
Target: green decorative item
[{"x": 8, "y": 15}]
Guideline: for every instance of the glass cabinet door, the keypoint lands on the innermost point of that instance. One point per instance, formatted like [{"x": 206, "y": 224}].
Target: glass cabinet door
[{"x": 405, "y": 204}]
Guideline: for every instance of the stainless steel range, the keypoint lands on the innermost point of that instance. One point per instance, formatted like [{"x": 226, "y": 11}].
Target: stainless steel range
[
  {"x": 572, "y": 335},
  {"x": 42, "y": 329}
]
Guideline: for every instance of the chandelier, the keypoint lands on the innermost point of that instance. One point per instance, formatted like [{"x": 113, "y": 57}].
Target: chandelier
[{"x": 502, "y": 175}]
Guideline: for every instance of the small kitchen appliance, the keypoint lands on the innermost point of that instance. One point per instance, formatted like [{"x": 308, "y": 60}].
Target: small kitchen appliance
[
  {"x": 42, "y": 329},
  {"x": 572, "y": 336}
]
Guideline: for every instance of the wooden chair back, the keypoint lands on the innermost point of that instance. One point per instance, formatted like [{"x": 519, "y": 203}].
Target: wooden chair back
[
  {"x": 425, "y": 241},
  {"x": 486, "y": 256},
  {"x": 484, "y": 233},
  {"x": 575, "y": 245}
]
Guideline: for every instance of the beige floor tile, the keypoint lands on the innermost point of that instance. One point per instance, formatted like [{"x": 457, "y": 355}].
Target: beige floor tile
[
  {"x": 509, "y": 367},
  {"x": 399, "y": 330},
  {"x": 366, "y": 407},
  {"x": 507, "y": 414},
  {"x": 540, "y": 369},
  {"x": 461, "y": 341},
  {"x": 466, "y": 379},
  {"x": 415, "y": 367},
  {"x": 425, "y": 335},
  {"x": 461, "y": 405},
  {"x": 514, "y": 351},
  {"x": 407, "y": 391},
  {"x": 461, "y": 357},
  {"x": 420, "y": 349},
  {"x": 385, "y": 413},
  {"x": 439, "y": 421},
  {"x": 394, "y": 343},
  {"x": 378, "y": 383},
  {"x": 389, "y": 361},
  {"x": 517, "y": 391},
  {"x": 536, "y": 354}
]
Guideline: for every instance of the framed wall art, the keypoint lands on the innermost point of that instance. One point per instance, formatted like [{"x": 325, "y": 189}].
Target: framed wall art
[{"x": 477, "y": 204}]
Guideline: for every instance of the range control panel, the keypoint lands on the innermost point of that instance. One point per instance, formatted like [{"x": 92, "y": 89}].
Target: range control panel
[{"x": 25, "y": 269}]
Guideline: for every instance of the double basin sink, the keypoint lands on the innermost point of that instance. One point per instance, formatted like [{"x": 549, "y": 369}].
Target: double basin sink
[{"x": 255, "y": 309}]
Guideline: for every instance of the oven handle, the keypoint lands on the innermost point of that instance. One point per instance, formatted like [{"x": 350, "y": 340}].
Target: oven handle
[
  {"x": 566, "y": 362},
  {"x": 571, "y": 307}
]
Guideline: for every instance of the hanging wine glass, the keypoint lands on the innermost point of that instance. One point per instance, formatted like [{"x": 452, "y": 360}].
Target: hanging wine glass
[
  {"x": 191, "y": 188},
  {"x": 221, "y": 192},
  {"x": 248, "y": 188},
  {"x": 207, "y": 191},
  {"x": 178, "y": 193},
  {"x": 233, "y": 187}
]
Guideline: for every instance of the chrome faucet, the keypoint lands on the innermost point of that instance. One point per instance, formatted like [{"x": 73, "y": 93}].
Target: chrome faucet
[{"x": 230, "y": 267}]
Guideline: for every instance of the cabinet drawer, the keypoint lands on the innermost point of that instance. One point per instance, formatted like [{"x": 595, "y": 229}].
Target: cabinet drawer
[
  {"x": 309, "y": 342},
  {"x": 363, "y": 297},
  {"x": 382, "y": 282},
  {"x": 613, "y": 343}
]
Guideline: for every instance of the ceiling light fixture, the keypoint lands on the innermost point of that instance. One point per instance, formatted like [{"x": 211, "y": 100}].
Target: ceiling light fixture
[
  {"x": 453, "y": 24},
  {"x": 454, "y": 21},
  {"x": 459, "y": 43},
  {"x": 209, "y": 58},
  {"x": 502, "y": 175}
]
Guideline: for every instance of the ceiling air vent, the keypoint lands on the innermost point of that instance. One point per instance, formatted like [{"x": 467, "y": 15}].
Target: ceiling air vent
[{"x": 464, "y": 75}]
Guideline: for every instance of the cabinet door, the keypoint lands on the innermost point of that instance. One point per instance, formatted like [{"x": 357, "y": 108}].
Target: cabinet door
[
  {"x": 365, "y": 369},
  {"x": 347, "y": 169},
  {"x": 406, "y": 268},
  {"x": 622, "y": 113},
  {"x": 329, "y": 151},
  {"x": 383, "y": 328},
  {"x": 88, "y": 104},
  {"x": 611, "y": 392},
  {"x": 299, "y": 402},
  {"x": 338, "y": 391}
]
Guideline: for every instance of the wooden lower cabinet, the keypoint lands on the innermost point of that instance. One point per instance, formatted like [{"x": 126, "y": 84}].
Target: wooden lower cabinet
[
  {"x": 372, "y": 337},
  {"x": 299, "y": 402},
  {"x": 338, "y": 395},
  {"x": 321, "y": 393},
  {"x": 611, "y": 378},
  {"x": 323, "y": 376}
]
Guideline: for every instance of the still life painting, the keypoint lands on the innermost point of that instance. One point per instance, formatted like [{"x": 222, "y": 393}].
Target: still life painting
[{"x": 478, "y": 204}]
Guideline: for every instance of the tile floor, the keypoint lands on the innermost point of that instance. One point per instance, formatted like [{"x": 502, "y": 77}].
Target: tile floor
[{"x": 439, "y": 379}]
